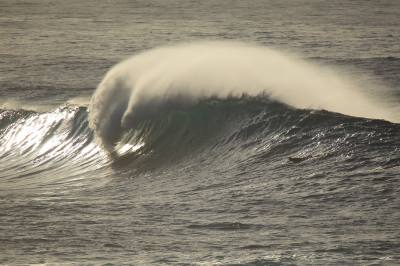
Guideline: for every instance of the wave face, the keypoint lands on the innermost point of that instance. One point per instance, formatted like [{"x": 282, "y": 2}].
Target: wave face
[
  {"x": 63, "y": 138},
  {"x": 248, "y": 130},
  {"x": 253, "y": 130},
  {"x": 48, "y": 149},
  {"x": 179, "y": 76}
]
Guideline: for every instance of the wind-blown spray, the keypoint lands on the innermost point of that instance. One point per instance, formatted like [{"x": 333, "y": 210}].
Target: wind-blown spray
[{"x": 184, "y": 74}]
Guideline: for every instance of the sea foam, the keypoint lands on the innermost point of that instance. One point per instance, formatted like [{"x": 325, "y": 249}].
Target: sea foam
[{"x": 184, "y": 74}]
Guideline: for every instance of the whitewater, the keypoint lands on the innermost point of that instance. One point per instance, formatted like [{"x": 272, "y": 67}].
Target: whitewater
[
  {"x": 182, "y": 75},
  {"x": 199, "y": 133}
]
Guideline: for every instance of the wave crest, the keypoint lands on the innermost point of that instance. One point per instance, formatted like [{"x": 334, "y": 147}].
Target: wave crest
[{"x": 178, "y": 76}]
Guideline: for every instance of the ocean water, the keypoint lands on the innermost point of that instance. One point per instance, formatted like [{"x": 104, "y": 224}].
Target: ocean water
[{"x": 260, "y": 133}]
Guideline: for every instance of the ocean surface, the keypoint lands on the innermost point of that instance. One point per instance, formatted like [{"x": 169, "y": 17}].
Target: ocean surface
[{"x": 263, "y": 133}]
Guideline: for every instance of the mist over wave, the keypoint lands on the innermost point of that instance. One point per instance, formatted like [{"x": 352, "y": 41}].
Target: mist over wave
[{"x": 182, "y": 75}]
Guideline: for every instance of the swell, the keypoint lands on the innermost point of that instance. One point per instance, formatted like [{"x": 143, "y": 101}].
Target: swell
[{"x": 58, "y": 149}]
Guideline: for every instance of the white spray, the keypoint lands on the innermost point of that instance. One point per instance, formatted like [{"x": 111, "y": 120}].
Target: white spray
[{"x": 187, "y": 73}]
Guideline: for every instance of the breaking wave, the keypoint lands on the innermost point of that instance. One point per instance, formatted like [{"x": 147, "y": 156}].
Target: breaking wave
[
  {"x": 178, "y": 106},
  {"x": 61, "y": 142},
  {"x": 177, "y": 77}
]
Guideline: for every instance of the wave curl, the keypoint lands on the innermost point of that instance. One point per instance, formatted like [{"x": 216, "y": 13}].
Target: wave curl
[{"x": 178, "y": 76}]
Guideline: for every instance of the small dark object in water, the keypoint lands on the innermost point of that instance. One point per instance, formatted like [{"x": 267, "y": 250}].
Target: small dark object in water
[{"x": 298, "y": 159}]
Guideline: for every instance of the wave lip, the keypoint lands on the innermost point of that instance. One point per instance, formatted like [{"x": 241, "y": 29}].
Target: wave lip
[{"x": 182, "y": 75}]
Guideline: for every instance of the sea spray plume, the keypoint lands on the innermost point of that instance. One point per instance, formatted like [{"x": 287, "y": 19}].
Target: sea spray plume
[{"x": 184, "y": 74}]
